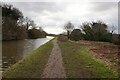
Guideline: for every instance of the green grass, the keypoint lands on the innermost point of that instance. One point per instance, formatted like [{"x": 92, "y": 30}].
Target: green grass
[
  {"x": 32, "y": 65},
  {"x": 79, "y": 63}
]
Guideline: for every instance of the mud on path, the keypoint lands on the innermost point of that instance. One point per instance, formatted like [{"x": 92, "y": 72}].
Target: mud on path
[{"x": 54, "y": 67}]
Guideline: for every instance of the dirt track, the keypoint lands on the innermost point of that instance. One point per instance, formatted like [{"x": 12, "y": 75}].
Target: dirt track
[{"x": 54, "y": 67}]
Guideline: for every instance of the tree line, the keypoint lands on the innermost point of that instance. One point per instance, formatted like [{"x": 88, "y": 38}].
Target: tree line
[
  {"x": 94, "y": 31},
  {"x": 15, "y": 26}
]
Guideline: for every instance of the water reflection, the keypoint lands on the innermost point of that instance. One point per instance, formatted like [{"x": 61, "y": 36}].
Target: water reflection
[{"x": 13, "y": 51}]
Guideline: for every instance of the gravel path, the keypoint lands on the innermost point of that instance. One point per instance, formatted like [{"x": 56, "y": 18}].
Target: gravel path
[{"x": 54, "y": 67}]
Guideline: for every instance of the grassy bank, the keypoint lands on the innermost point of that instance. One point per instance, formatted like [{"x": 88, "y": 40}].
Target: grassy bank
[
  {"x": 32, "y": 65},
  {"x": 79, "y": 63}
]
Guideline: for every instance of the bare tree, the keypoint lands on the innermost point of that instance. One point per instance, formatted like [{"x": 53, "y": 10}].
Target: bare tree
[
  {"x": 69, "y": 27},
  {"x": 26, "y": 22},
  {"x": 20, "y": 22},
  {"x": 113, "y": 29},
  {"x": 32, "y": 23}
]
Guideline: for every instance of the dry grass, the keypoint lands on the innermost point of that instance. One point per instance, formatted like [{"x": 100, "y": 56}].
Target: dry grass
[
  {"x": 79, "y": 63},
  {"x": 105, "y": 51}
]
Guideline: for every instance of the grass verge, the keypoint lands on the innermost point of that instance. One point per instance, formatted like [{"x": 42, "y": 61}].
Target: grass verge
[
  {"x": 79, "y": 63},
  {"x": 32, "y": 65}
]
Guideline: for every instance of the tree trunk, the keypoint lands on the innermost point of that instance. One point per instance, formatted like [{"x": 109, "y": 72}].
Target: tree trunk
[{"x": 68, "y": 34}]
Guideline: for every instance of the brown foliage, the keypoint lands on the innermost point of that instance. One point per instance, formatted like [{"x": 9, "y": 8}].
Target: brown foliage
[
  {"x": 62, "y": 37},
  {"x": 22, "y": 33},
  {"x": 9, "y": 30},
  {"x": 36, "y": 33}
]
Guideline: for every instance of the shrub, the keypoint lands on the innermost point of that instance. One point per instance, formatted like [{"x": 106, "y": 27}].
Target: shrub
[
  {"x": 35, "y": 33},
  {"x": 76, "y": 35},
  {"x": 62, "y": 37}
]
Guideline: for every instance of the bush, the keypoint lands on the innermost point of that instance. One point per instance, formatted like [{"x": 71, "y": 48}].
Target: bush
[
  {"x": 76, "y": 35},
  {"x": 62, "y": 37},
  {"x": 22, "y": 33},
  {"x": 116, "y": 39},
  {"x": 96, "y": 31},
  {"x": 35, "y": 33}
]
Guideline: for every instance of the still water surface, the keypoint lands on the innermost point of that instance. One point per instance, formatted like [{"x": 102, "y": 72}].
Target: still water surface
[{"x": 13, "y": 51}]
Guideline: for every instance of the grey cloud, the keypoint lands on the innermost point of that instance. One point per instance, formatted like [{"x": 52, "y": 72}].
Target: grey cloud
[
  {"x": 35, "y": 10},
  {"x": 103, "y": 6},
  {"x": 35, "y": 6}
]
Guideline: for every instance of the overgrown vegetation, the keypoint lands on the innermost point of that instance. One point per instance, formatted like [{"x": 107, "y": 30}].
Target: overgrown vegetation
[
  {"x": 62, "y": 37},
  {"x": 95, "y": 31},
  {"x": 15, "y": 26},
  {"x": 79, "y": 63},
  {"x": 76, "y": 35},
  {"x": 32, "y": 65},
  {"x": 34, "y": 33}
]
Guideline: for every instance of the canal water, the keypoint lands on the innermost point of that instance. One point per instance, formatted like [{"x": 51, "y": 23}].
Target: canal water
[{"x": 13, "y": 51}]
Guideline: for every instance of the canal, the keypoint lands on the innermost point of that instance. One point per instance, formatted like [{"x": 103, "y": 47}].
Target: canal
[{"x": 13, "y": 51}]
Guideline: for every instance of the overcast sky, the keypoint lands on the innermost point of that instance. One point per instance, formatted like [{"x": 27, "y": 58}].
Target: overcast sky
[{"x": 52, "y": 16}]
